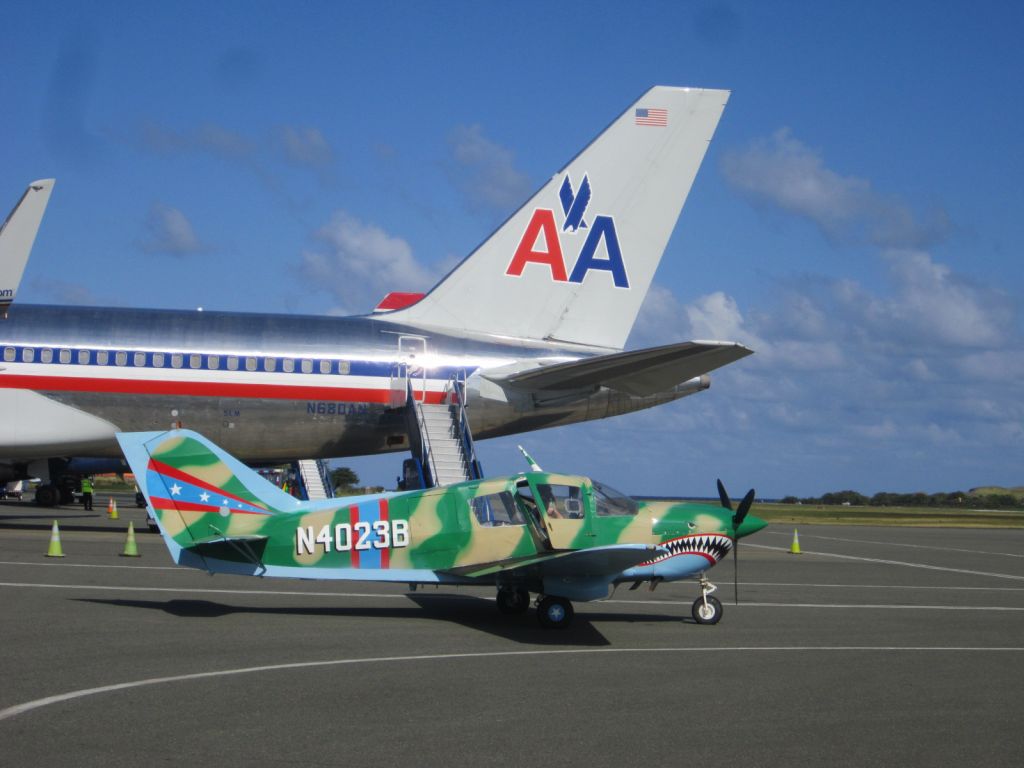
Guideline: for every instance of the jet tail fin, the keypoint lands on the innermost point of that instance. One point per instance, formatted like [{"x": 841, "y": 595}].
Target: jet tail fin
[
  {"x": 574, "y": 263},
  {"x": 17, "y": 235}
]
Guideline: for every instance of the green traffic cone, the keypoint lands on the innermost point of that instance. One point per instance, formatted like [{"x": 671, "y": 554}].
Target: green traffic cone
[
  {"x": 55, "y": 549},
  {"x": 130, "y": 548}
]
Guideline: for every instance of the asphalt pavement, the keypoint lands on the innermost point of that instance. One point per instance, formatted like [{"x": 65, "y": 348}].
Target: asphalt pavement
[{"x": 884, "y": 646}]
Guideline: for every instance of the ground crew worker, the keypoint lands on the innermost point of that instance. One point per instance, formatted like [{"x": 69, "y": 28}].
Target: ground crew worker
[{"x": 87, "y": 492}]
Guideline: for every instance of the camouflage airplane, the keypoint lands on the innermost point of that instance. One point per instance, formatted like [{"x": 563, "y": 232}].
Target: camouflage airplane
[{"x": 563, "y": 537}]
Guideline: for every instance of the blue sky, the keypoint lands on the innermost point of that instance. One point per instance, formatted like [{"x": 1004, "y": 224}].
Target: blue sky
[{"x": 857, "y": 221}]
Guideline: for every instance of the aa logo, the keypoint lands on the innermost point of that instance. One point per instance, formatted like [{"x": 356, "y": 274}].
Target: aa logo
[{"x": 540, "y": 243}]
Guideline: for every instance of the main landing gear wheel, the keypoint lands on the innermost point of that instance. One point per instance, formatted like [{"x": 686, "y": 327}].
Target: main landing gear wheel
[
  {"x": 554, "y": 612},
  {"x": 47, "y": 496},
  {"x": 513, "y": 601},
  {"x": 707, "y": 610}
]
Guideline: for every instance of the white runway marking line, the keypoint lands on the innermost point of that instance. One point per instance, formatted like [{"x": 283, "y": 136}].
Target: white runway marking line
[
  {"x": 448, "y": 595},
  {"x": 177, "y": 568},
  {"x": 899, "y": 544},
  {"x": 877, "y": 586},
  {"x": 895, "y": 562},
  {"x": 192, "y": 571},
  {"x": 197, "y": 590},
  {"x": 28, "y": 706}
]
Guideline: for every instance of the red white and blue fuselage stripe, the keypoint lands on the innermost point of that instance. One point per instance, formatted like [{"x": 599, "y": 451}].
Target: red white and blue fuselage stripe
[{"x": 126, "y": 371}]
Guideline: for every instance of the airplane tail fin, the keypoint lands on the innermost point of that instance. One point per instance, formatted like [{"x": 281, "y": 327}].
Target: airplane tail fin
[
  {"x": 206, "y": 502},
  {"x": 574, "y": 263},
  {"x": 17, "y": 235}
]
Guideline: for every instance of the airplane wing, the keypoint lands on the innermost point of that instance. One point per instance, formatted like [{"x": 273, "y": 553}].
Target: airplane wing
[
  {"x": 597, "y": 561},
  {"x": 639, "y": 372}
]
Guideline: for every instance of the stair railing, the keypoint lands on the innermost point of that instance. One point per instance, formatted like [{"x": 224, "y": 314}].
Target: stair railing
[
  {"x": 427, "y": 457},
  {"x": 455, "y": 396}
]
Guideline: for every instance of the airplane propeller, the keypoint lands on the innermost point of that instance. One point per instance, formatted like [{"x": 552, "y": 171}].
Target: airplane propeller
[{"x": 737, "y": 519}]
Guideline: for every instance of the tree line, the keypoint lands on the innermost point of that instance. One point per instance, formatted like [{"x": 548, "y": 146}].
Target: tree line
[{"x": 884, "y": 499}]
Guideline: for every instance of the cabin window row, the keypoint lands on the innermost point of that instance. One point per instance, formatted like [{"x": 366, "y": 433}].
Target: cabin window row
[{"x": 194, "y": 361}]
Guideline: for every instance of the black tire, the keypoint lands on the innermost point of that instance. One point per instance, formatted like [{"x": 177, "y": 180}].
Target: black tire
[
  {"x": 710, "y": 614},
  {"x": 47, "y": 495},
  {"x": 554, "y": 612},
  {"x": 513, "y": 601}
]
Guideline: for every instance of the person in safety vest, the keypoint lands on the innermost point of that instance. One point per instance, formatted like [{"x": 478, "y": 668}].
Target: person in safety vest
[{"x": 87, "y": 492}]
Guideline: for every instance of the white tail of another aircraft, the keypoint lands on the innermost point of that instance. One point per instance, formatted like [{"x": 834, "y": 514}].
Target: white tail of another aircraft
[
  {"x": 16, "y": 237},
  {"x": 574, "y": 263}
]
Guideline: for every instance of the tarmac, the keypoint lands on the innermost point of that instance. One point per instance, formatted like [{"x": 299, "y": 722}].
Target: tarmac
[{"x": 881, "y": 646}]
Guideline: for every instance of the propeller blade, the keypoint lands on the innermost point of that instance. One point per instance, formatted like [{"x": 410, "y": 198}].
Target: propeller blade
[
  {"x": 736, "y": 571},
  {"x": 737, "y": 520},
  {"x": 724, "y": 496},
  {"x": 744, "y": 508}
]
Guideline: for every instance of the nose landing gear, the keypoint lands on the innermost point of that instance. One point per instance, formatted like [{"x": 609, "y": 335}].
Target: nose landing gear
[{"x": 707, "y": 609}]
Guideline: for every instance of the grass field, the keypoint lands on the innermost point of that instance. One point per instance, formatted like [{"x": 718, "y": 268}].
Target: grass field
[{"x": 920, "y": 516}]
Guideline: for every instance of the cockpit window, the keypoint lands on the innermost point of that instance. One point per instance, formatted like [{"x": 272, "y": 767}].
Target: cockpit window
[
  {"x": 613, "y": 503},
  {"x": 561, "y": 501},
  {"x": 497, "y": 509}
]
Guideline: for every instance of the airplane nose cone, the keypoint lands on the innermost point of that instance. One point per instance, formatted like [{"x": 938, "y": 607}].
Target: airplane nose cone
[{"x": 750, "y": 525}]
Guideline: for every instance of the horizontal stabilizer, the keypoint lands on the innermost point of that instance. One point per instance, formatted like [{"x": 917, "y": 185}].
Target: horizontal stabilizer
[
  {"x": 639, "y": 372},
  {"x": 17, "y": 235},
  {"x": 583, "y": 563},
  {"x": 245, "y": 549}
]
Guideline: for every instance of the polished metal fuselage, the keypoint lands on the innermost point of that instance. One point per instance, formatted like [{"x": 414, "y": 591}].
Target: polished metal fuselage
[{"x": 103, "y": 363}]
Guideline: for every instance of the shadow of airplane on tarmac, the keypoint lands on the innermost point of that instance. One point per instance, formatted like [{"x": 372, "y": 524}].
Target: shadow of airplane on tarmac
[{"x": 471, "y": 612}]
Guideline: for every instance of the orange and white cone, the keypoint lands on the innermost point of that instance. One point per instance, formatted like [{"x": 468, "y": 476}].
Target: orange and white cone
[{"x": 111, "y": 508}]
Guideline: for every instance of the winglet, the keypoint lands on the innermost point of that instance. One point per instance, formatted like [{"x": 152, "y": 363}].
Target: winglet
[{"x": 16, "y": 237}]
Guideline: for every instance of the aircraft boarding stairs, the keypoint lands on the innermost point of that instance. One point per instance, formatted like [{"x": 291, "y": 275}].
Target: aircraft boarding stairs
[
  {"x": 315, "y": 480},
  {"x": 441, "y": 439}
]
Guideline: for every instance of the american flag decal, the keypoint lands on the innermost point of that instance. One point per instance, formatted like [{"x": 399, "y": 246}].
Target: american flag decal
[{"x": 651, "y": 116}]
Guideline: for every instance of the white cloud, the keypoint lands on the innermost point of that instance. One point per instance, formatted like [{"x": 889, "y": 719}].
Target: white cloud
[
  {"x": 362, "y": 264},
  {"x": 306, "y": 147},
  {"x": 783, "y": 172},
  {"x": 209, "y": 137},
  {"x": 170, "y": 232},
  {"x": 914, "y": 382},
  {"x": 485, "y": 172},
  {"x": 69, "y": 292},
  {"x": 662, "y": 320},
  {"x": 942, "y": 306},
  {"x": 716, "y": 317}
]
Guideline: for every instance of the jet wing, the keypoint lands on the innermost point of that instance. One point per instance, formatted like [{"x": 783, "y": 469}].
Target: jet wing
[
  {"x": 639, "y": 372},
  {"x": 597, "y": 561}
]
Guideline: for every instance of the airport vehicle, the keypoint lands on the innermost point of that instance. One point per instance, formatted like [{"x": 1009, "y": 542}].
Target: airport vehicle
[
  {"x": 526, "y": 333},
  {"x": 561, "y": 537}
]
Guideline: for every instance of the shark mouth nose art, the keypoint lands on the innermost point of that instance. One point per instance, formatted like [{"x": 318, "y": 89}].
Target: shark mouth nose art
[{"x": 712, "y": 546}]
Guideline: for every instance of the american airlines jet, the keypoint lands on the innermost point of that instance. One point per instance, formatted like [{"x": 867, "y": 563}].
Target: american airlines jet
[{"x": 528, "y": 329}]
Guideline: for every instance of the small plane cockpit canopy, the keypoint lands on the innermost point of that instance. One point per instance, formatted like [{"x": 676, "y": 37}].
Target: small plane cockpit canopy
[
  {"x": 561, "y": 501},
  {"x": 497, "y": 509},
  {"x": 613, "y": 503}
]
